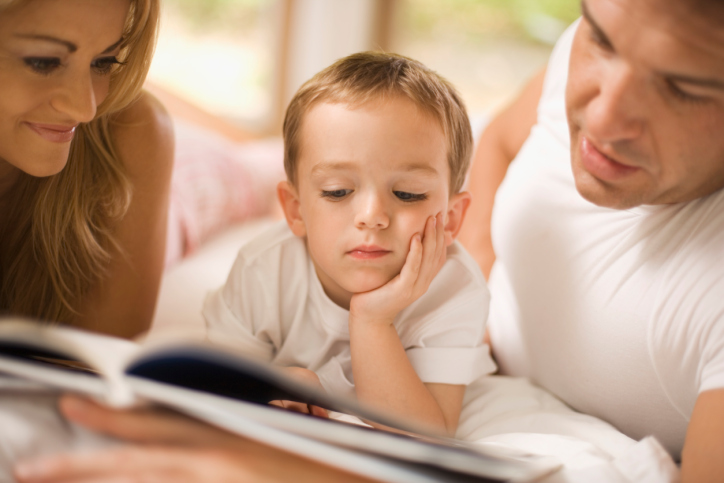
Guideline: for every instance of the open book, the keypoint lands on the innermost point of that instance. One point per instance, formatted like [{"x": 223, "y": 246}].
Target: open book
[{"x": 227, "y": 390}]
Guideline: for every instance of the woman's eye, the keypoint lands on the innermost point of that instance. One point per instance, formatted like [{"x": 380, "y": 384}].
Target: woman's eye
[
  {"x": 42, "y": 65},
  {"x": 405, "y": 196},
  {"x": 335, "y": 194},
  {"x": 104, "y": 65}
]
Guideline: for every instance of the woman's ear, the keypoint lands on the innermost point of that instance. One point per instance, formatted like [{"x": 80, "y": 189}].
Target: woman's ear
[
  {"x": 289, "y": 200},
  {"x": 456, "y": 209}
]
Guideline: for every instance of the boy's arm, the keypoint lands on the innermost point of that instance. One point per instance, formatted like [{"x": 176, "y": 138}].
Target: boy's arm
[{"x": 383, "y": 374}]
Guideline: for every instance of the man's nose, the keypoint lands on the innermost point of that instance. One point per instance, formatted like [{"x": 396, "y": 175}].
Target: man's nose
[
  {"x": 617, "y": 113},
  {"x": 371, "y": 212},
  {"x": 76, "y": 97}
]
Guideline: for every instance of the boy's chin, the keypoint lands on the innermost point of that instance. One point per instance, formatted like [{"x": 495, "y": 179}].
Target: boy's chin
[{"x": 368, "y": 284}]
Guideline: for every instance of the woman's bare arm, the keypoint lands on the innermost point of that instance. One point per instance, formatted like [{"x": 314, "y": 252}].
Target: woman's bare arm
[
  {"x": 499, "y": 144},
  {"x": 123, "y": 303}
]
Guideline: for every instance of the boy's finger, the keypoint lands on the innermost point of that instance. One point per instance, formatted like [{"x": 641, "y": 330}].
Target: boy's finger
[
  {"x": 428, "y": 243},
  {"x": 318, "y": 411},
  {"x": 411, "y": 268},
  {"x": 442, "y": 249}
]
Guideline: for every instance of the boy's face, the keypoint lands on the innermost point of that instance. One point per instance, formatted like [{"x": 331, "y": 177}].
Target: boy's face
[{"x": 368, "y": 179}]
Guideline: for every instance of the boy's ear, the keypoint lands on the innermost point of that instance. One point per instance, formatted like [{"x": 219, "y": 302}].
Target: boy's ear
[
  {"x": 289, "y": 200},
  {"x": 456, "y": 209}
]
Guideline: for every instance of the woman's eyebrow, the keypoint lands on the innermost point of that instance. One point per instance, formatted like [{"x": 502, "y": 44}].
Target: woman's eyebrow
[
  {"x": 47, "y": 38},
  {"x": 68, "y": 45}
]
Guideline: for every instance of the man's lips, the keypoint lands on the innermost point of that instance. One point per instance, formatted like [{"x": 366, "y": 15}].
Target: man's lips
[
  {"x": 602, "y": 166},
  {"x": 368, "y": 252},
  {"x": 54, "y": 133}
]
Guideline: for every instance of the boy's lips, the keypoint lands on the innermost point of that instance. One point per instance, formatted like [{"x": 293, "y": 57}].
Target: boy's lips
[
  {"x": 368, "y": 252},
  {"x": 53, "y": 132},
  {"x": 601, "y": 165}
]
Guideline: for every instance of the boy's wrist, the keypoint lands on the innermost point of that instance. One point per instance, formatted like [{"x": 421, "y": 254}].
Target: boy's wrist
[{"x": 362, "y": 321}]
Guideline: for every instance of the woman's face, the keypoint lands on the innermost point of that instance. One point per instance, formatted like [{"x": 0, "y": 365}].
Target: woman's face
[{"x": 55, "y": 62}]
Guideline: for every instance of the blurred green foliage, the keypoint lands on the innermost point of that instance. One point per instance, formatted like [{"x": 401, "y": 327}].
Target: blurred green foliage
[
  {"x": 219, "y": 14},
  {"x": 481, "y": 19}
]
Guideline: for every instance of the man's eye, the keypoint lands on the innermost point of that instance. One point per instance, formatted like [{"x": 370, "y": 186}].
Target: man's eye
[
  {"x": 682, "y": 95},
  {"x": 335, "y": 194},
  {"x": 104, "y": 65},
  {"x": 42, "y": 65},
  {"x": 405, "y": 196}
]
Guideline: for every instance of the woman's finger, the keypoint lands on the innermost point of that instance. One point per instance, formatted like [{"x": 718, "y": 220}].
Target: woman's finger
[
  {"x": 139, "y": 425},
  {"x": 107, "y": 466}
]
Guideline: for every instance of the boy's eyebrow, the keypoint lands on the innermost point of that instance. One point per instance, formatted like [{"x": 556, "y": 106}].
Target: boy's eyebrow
[{"x": 342, "y": 165}]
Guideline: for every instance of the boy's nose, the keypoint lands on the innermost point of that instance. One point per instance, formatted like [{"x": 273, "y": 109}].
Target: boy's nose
[{"x": 372, "y": 214}]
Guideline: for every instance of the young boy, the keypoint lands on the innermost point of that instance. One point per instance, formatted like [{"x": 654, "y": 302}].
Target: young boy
[{"x": 364, "y": 290}]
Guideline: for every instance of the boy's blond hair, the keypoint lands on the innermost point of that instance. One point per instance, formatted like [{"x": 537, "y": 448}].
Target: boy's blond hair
[{"x": 368, "y": 76}]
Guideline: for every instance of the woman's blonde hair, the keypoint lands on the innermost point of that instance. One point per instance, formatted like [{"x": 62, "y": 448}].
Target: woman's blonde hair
[{"x": 59, "y": 236}]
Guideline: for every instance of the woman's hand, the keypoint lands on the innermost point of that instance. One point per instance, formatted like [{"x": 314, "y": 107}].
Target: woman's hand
[
  {"x": 424, "y": 260},
  {"x": 309, "y": 377},
  {"x": 168, "y": 448}
]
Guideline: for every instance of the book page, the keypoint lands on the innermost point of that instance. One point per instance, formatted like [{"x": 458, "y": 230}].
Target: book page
[{"x": 55, "y": 354}]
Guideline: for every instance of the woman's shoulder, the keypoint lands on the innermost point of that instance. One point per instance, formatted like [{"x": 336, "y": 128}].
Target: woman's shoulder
[{"x": 141, "y": 133}]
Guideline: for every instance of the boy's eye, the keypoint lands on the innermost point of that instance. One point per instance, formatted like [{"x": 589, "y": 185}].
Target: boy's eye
[
  {"x": 42, "y": 65},
  {"x": 104, "y": 65},
  {"x": 335, "y": 194},
  {"x": 405, "y": 196}
]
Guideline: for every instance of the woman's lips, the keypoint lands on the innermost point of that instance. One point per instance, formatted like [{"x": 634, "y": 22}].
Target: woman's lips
[
  {"x": 600, "y": 165},
  {"x": 368, "y": 253},
  {"x": 53, "y": 132}
]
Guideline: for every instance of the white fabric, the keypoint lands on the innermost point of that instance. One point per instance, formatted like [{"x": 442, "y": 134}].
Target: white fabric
[
  {"x": 618, "y": 313},
  {"x": 273, "y": 307},
  {"x": 502, "y": 412}
]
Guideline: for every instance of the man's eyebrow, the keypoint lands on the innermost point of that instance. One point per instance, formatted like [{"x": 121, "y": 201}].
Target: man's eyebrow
[
  {"x": 598, "y": 31},
  {"x": 68, "y": 45}
]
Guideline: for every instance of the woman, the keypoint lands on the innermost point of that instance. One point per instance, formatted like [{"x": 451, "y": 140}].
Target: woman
[{"x": 85, "y": 163}]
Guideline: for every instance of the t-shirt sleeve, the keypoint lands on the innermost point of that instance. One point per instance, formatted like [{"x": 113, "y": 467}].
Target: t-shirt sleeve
[
  {"x": 235, "y": 314},
  {"x": 443, "y": 331}
]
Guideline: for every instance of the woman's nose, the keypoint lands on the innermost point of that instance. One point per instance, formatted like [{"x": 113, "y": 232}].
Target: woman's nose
[
  {"x": 76, "y": 97},
  {"x": 614, "y": 115},
  {"x": 371, "y": 212}
]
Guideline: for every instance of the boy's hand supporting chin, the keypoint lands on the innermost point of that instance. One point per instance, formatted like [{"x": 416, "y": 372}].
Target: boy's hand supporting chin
[
  {"x": 383, "y": 375},
  {"x": 424, "y": 260}
]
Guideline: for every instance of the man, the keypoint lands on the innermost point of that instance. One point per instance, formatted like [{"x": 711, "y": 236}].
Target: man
[
  {"x": 609, "y": 226},
  {"x": 609, "y": 233}
]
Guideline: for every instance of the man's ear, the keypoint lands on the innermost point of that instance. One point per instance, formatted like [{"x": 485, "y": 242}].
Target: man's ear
[
  {"x": 456, "y": 209},
  {"x": 289, "y": 200}
]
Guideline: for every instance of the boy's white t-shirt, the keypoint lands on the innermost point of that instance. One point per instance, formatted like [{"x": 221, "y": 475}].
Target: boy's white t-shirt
[
  {"x": 274, "y": 307},
  {"x": 620, "y": 313}
]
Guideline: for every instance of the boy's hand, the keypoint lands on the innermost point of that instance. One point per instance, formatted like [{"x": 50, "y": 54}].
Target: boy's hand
[
  {"x": 424, "y": 260},
  {"x": 307, "y": 376}
]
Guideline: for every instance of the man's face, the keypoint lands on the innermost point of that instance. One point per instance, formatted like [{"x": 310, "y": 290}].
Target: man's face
[
  {"x": 645, "y": 102},
  {"x": 369, "y": 177}
]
